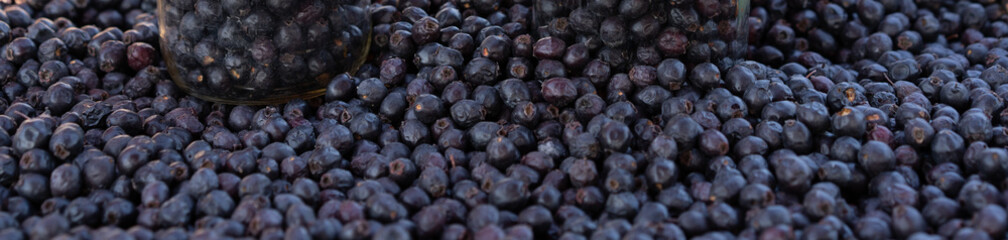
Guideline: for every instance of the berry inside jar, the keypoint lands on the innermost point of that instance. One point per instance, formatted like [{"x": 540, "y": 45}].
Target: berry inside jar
[
  {"x": 261, "y": 52},
  {"x": 622, "y": 32}
]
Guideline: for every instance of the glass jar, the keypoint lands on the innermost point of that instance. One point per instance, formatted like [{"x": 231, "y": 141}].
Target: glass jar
[
  {"x": 262, "y": 51},
  {"x": 621, "y": 31}
]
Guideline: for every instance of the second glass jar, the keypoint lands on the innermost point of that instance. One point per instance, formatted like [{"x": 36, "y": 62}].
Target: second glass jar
[
  {"x": 620, "y": 32},
  {"x": 261, "y": 52}
]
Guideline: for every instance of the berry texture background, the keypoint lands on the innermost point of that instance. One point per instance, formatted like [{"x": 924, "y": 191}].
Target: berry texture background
[{"x": 848, "y": 119}]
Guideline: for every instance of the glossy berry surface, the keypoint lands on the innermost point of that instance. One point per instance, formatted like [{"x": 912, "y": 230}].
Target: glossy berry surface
[{"x": 869, "y": 119}]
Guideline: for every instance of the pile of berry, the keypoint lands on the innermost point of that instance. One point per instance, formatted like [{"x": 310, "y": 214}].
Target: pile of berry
[{"x": 867, "y": 119}]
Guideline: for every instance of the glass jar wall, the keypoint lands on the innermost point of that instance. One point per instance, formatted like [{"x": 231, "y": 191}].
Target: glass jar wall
[{"x": 261, "y": 52}]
